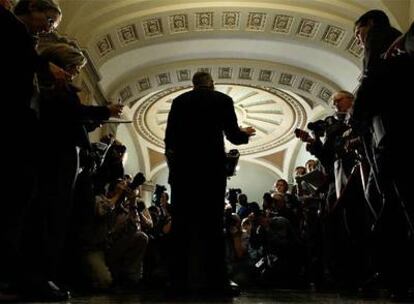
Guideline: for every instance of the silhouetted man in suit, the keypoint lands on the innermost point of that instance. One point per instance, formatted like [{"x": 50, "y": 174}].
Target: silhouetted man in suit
[
  {"x": 196, "y": 158},
  {"x": 383, "y": 107}
]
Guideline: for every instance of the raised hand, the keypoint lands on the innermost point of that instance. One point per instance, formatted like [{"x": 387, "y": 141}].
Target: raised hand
[
  {"x": 115, "y": 110},
  {"x": 249, "y": 130}
]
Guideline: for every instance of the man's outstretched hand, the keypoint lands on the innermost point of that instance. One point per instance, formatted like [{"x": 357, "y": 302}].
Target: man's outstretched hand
[{"x": 249, "y": 131}]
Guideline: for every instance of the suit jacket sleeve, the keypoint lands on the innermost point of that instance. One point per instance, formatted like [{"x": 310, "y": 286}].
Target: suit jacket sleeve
[
  {"x": 231, "y": 128},
  {"x": 170, "y": 139},
  {"x": 171, "y": 126},
  {"x": 366, "y": 104}
]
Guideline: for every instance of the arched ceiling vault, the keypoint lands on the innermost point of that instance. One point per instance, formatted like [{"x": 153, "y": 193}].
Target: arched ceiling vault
[
  {"x": 144, "y": 47},
  {"x": 125, "y": 37}
]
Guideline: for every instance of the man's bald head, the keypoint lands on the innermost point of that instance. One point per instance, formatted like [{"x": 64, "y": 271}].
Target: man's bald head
[{"x": 203, "y": 80}]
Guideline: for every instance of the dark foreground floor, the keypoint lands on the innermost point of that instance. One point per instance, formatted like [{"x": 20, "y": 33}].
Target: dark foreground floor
[{"x": 262, "y": 296}]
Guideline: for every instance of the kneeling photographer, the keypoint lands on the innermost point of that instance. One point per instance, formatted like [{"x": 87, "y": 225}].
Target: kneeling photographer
[
  {"x": 345, "y": 220},
  {"x": 115, "y": 242}
]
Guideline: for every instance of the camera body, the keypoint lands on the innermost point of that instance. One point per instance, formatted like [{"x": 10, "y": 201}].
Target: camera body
[
  {"x": 159, "y": 189},
  {"x": 324, "y": 127},
  {"x": 123, "y": 203},
  {"x": 233, "y": 193},
  {"x": 156, "y": 197},
  {"x": 335, "y": 145},
  {"x": 137, "y": 181}
]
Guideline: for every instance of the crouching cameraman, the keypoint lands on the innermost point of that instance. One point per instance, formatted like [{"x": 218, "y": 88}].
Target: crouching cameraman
[
  {"x": 115, "y": 243},
  {"x": 345, "y": 216}
]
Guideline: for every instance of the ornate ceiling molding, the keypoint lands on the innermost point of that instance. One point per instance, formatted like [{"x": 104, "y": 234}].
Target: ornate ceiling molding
[
  {"x": 224, "y": 22},
  {"x": 105, "y": 13},
  {"x": 246, "y": 72}
]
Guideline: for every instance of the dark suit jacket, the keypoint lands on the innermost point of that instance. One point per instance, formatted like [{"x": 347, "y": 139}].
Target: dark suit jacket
[
  {"x": 366, "y": 104},
  {"x": 64, "y": 118},
  {"x": 19, "y": 62},
  {"x": 194, "y": 136}
]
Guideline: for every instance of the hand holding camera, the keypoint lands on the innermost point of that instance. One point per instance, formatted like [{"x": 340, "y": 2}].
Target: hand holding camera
[{"x": 304, "y": 136}]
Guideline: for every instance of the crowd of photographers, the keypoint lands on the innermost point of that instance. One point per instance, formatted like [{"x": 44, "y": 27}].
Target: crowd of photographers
[
  {"x": 113, "y": 241},
  {"x": 282, "y": 241}
]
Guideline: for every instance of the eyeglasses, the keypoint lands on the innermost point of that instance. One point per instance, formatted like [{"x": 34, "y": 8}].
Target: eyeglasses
[{"x": 51, "y": 21}]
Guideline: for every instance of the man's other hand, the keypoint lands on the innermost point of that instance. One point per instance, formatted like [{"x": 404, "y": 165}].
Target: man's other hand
[{"x": 115, "y": 110}]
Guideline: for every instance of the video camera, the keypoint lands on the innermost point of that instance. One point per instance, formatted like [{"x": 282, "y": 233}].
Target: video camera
[
  {"x": 124, "y": 204},
  {"x": 137, "y": 181},
  {"x": 318, "y": 127},
  {"x": 159, "y": 189},
  {"x": 321, "y": 127},
  {"x": 232, "y": 195}
]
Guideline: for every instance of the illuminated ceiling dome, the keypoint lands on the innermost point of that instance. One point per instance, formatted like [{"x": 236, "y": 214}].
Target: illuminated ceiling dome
[
  {"x": 280, "y": 61},
  {"x": 272, "y": 112}
]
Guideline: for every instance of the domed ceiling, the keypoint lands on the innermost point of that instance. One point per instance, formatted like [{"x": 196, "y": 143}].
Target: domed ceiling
[
  {"x": 272, "y": 112},
  {"x": 280, "y": 61}
]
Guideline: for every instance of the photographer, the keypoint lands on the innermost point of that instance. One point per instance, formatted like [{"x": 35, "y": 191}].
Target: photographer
[
  {"x": 236, "y": 245},
  {"x": 114, "y": 243},
  {"x": 232, "y": 197},
  {"x": 331, "y": 153},
  {"x": 156, "y": 198},
  {"x": 112, "y": 166},
  {"x": 277, "y": 246},
  {"x": 345, "y": 223},
  {"x": 157, "y": 254}
]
